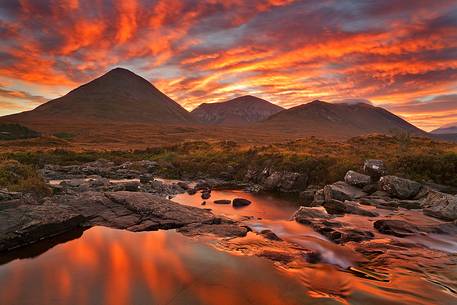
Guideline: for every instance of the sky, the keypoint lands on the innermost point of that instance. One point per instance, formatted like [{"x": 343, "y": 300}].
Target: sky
[{"x": 400, "y": 55}]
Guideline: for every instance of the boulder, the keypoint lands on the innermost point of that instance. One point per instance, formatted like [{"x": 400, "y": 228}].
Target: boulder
[
  {"x": 374, "y": 168},
  {"x": 342, "y": 191},
  {"x": 347, "y": 207},
  {"x": 206, "y": 195},
  {"x": 240, "y": 202},
  {"x": 399, "y": 187},
  {"x": 222, "y": 201},
  {"x": 319, "y": 197},
  {"x": 357, "y": 179},
  {"x": 394, "y": 227},
  {"x": 441, "y": 205},
  {"x": 305, "y": 215}
]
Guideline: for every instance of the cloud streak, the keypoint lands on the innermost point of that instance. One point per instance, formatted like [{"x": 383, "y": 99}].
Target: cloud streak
[{"x": 289, "y": 52}]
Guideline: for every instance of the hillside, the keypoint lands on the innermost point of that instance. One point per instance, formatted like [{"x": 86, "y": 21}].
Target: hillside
[
  {"x": 241, "y": 110},
  {"x": 333, "y": 120},
  {"x": 448, "y": 129},
  {"x": 118, "y": 96}
]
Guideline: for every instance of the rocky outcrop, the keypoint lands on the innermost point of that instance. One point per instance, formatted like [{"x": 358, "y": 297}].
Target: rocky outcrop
[
  {"x": 27, "y": 224},
  {"x": 272, "y": 180},
  {"x": 441, "y": 205},
  {"x": 134, "y": 211},
  {"x": 399, "y": 187},
  {"x": 394, "y": 227},
  {"x": 342, "y": 191},
  {"x": 305, "y": 214}
]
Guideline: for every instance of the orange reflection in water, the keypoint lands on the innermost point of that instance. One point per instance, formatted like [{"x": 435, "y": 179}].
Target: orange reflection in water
[{"x": 115, "y": 267}]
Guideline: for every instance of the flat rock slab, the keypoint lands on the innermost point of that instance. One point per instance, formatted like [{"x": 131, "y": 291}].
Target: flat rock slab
[
  {"x": 134, "y": 211},
  {"x": 27, "y": 224}
]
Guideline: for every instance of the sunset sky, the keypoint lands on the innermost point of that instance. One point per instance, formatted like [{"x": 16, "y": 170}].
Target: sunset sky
[{"x": 401, "y": 55}]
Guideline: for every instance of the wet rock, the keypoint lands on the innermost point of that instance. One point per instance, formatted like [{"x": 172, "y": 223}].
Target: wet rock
[
  {"x": 27, "y": 224},
  {"x": 240, "y": 202},
  {"x": 374, "y": 168},
  {"x": 222, "y": 201},
  {"x": 191, "y": 191},
  {"x": 206, "y": 195},
  {"x": 273, "y": 180},
  {"x": 341, "y": 236},
  {"x": 307, "y": 197},
  {"x": 203, "y": 203},
  {"x": 183, "y": 185},
  {"x": 357, "y": 179},
  {"x": 277, "y": 256},
  {"x": 399, "y": 187},
  {"x": 305, "y": 215},
  {"x": 381, "y": 203},
  {"x": 395, "y": 227},
  {"x": 342, "y": 191},
  {"x": 313, "y": 257},
  {"x": 223, "y": 229},
  {"x": 349, "y": 207},
  {"x": 441, "y": 205},
  {"x": 268, "y": 234}
]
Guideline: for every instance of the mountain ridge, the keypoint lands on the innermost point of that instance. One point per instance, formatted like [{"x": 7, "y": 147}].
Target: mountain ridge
[{"x": 238, "y": 111}]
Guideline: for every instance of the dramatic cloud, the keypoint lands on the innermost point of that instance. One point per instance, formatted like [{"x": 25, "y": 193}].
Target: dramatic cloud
[{"x": 395, "y": 54}]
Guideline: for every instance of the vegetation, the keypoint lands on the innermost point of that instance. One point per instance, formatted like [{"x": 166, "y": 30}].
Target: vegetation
[
  {"x": 17, "y": 177},
  {"x": 64, "y": 135},
  {"x": 16, "y": 131},
  {"x": 324, "y": 161}
]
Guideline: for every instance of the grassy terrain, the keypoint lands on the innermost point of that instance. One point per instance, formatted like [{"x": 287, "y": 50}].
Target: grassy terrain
[
  {"x": 16, "y": 131},
  {"x": 18, "y": 177},
  {"x": 324, "y": 161}
]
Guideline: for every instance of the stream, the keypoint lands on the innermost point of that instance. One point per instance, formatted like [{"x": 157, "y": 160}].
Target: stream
[{"x": 107, "y": 266}]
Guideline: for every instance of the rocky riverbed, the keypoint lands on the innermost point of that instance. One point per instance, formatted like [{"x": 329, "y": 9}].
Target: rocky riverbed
[{"x": 374, "y": 220}]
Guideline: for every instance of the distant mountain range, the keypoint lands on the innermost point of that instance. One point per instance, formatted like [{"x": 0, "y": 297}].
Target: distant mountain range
[
  {"x": 241, "y": 110},
  {"x": 120, "y": 96}
]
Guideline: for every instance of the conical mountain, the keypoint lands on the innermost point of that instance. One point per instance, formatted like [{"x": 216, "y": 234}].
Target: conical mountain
[
  {"x": 241, "y": 110},
  {"x": 118, "y": 96},
  {"x": 338, "y": 120}
]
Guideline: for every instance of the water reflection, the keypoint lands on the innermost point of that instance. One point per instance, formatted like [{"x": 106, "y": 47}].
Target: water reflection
[{"x": 113, "y": 267}]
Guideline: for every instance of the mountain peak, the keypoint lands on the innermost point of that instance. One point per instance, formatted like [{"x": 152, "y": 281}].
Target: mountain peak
[
  {"x": 240, "y": 110},
  {"x": 119, "y": 96}
]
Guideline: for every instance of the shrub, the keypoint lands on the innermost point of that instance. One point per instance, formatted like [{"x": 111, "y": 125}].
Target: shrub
[{"x": 17, "y": 177}]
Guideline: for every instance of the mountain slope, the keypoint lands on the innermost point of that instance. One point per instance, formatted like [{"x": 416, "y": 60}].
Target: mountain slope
[
  {"x": 118, "y": 96},
  {"x": 448, "y": 129},
  {"x": 338, "y": 120},
  {"x": 241, "y": 110}
]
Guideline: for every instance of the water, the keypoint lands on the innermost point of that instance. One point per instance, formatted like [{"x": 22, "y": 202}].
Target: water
[{"x": 106, "y": 266}]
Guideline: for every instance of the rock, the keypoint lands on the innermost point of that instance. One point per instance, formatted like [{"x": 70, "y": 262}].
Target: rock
[
  {"x": 6, "y": 196},
  {"x": 277, "y": 256},
  {"x": 131, "y": 186},
  {"x": 410, "y": 204},
  {"x": 203, "y": 203},
  {"x": 146, "y": 178},
  {"x": 340, "y": 236},
  {"x": 27, "y": 224},
  {"x": 374, "y": 168},
  {"x": 307, "y": 196},
  {"x": 183, "y": 185},
  {"x": 240, "y": 202},
  {"x": 394, "y": 227},
  {"x": 268, "y": 234},
  {"x": 220, "y": 227},
  {"x": 305, "y": 215},
  {"x": 356, "y": 179},
  {"x": 441, "y": 205},
  {"x": 370, "y": 188},
  {"x": 222, "y": 201},
  {"x": 319, "y": 197},
  {"x": 399, "y": 187},
  {"x": 273, "y": 180},
  {"x": 206, "y": 195},
  {"x": 342, "y": 191},
  {"x": 349, "y": 207},
  {"x": 191, "y": 191}
]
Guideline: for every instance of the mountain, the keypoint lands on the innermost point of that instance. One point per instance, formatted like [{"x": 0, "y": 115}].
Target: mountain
[
  {"x": 241, "y": 110},
  {"x": 338, "y": 120},
  {"x": 118, "y": 96},
  {"x": 447, "y": 129}
]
